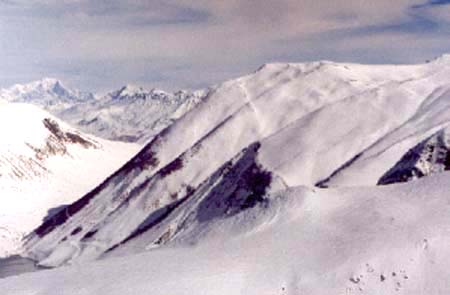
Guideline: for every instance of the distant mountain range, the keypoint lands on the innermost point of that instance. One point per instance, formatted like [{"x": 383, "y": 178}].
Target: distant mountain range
[
  {"x": 130, "y": 114},
  {"x": 47, "y": 93}
]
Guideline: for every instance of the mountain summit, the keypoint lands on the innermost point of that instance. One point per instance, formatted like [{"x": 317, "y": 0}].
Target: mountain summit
[
  {"x": 48, "y": 93},
  {"x": 135, "y": 91}
]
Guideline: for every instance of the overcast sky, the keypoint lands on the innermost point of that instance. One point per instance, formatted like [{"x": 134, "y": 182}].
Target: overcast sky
[{"x": 102, "y": 44}]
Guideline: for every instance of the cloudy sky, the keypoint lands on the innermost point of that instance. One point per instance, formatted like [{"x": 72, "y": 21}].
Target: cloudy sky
[{"x": 102, "y": 44}]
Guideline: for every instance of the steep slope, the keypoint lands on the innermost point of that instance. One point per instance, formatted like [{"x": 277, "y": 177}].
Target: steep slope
[
  {"x": 297, "y": 115},
  {"x": 130, "y": 113},
  {"x": 45, "y": 164},
  {"x": 369, "y": 240},
  {"x": 371, "y": 165}
]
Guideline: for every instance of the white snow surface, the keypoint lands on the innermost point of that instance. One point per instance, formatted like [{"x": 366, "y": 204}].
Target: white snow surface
[
  {"x": 322, "y": 122},
  {"x": 366, "y": 240},
  {"x": 40, "y": 171}
]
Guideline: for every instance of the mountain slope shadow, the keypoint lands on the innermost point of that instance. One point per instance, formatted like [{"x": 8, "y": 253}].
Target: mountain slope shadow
[
  {"x": 240, "y": 188},
  {"x": 152, "y": 220},
  {"x": 238, "y": 185}
]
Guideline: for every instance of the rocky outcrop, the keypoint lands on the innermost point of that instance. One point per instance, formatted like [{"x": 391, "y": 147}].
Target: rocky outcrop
[{"x": 429, "y": 157}]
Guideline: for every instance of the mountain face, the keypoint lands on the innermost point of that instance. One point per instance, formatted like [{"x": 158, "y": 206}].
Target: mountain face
[
  {"x": 287, "y": 125},
  {"x": 130, "y": 114},
  {"x": 44, "y": 164}
]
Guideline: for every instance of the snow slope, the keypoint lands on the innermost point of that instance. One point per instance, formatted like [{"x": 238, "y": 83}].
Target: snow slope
[
  {"x": 44, "y": 164},
  {"x": 283, "y": 126},
  {"x": 367, "y": 240},
  {"x": 430, "y": 120}
]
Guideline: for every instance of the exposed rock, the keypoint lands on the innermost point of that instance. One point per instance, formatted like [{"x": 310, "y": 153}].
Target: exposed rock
[{"x": 429, "y": 157}]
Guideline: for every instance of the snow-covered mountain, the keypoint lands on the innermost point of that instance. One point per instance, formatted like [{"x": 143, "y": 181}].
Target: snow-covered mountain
[
  {"x": 48, "y": 93},
  {"x": 268, "y": 185},
  {"x": 286, "y": 125},
  {"x": 130, "y": 114},
  {"x": 44, "y": 164}
]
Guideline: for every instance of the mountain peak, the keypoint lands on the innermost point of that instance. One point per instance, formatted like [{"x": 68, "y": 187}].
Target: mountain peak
[
  {"x": 44, "y": 84},
  {"x": 46, "y": 91},
  {"x": 127, "y": 91},
  {"x": 131, "y": 91},
  {"x": 49, "y": 81}
]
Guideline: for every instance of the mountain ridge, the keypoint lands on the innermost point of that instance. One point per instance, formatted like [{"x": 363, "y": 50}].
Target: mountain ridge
[{"x": 299, "y": 116}]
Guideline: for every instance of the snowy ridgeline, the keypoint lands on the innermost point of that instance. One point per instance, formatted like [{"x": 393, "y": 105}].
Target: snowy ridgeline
[
  {"x": 283, "y": 126},
  {"x": 235, "y": 174}
]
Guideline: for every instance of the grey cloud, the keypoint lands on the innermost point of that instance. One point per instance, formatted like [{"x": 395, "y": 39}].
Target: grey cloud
[{"x": 96, "y": 43}]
